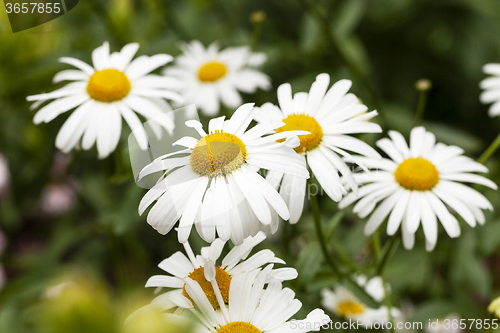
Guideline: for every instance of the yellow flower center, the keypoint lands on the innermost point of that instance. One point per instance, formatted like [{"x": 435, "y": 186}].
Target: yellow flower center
[
  {"x": 239, "y": 327},
  {"x": 417, "y": 174},
  {"x": 223, "y": 281},
  {"x": 346, "y": 309},
  {"x": 295, "y": 122},
  {"x": 108, "y": 85},
  {"x": 212, "y": 71},
  {"x": 218, "y": 154}
]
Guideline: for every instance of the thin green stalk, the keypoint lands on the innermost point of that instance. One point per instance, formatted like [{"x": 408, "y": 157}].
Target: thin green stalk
[
  {"x": 319, "y": 233},
  {"x": 423, "y": 86},
  {"x": 382, "y": 260},
  {"x": 335, "y": 45},
  {"x": 387, "y": 253},
  {"x": 490, "y": 150},
  {"x": 257, "y": 30},
  {"x": 345, "y": 257},
  {"x": 422, "y": 100},
  {"x": 388, "y": 304},
  {"x": 321, "y": 239}
]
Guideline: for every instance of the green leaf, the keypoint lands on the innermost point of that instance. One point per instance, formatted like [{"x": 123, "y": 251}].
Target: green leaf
[
  {"x": 309, "y": 261},
  {"x": 332, "y": 224},
  {"x": 489, "y": 236},
  {"x": 361, "y": 294},
  {"x": 433, "y": 309},
  {"x": 348, "y": 18},
  {"x": 310, "y": 34}
]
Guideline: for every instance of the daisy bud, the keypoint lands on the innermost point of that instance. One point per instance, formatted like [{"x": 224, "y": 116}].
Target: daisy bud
[
  {"x": 423, "y": 85},
  {"x": 494, "y": 307},
  {"x": 258, "y": 17}
]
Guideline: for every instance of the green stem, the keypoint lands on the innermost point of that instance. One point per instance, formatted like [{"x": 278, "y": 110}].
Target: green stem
[
  {"x": 257, "y": 30},
  {"x": 388, "y": 304},
  {"x": 335, "y": 45},
  {"x": 387, "y": 253},
  {"x": 321, "y": 239},
  {"x": 319, "y": 233},
  {"x": 345, "y": 257},
  {"x": 378, "y": 254},
  {"x": 490, "y": 150},
  {"x": 422, "y": 100}
]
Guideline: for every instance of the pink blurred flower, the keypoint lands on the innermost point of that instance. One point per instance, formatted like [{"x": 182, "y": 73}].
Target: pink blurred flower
[
  {"x": 4, "y": 175},
  {"x": 57, "y": 199},
  {"x": 3, "y": 245}
]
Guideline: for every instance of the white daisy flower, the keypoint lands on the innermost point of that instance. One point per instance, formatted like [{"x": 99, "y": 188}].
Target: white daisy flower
[
  {"x": 416, "y": 184},
  {"x": 115, "y": 87},
  {"x": 210, "y": 75},
  {"x": 330, "y": 116},
  {"x": 181, "y": 266},
  {"x": 491, "y": 86},
  {"x": 215, "y": 183},
  {"x": 251, "y": 308},
  {"x": 346, "y": 305}
]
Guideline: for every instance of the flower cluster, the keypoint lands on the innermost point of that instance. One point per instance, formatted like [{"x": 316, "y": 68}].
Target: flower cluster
[
  {"x": 241, "y": 174},
  {"x": 241, "y": 295}
]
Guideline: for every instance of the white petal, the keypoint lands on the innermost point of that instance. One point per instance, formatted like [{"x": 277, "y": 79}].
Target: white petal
[
  {"x": 73, "y": 128},
  {"x": 400, "y": 143},
  {"x": 135, "y": 125},
  {"x": 429, "y": 223},
  {"x": 216, "y": 124},
  {"x": 100, "y": 57},
  {"x": 379, "y": 215},
  {"x": 469, "y": 178},
  {"x": 164, "y": 281},
  {"x": 59, "y": 106},
  {"x": 255, "y": 199},
  {"x": 177, "y": 264},
  {"x": 285, "y": 98},
  {"x": 316, "y": 93},
  {"x": 78, "y": 64},
  {"x": 448, "y": 221},
  {"x": 326, "y": 174},
  {"x": 126, "y": 54},
  {"x": 143, "y": 65},
  {"x": 398, "y": 213},
  {"x": 71, "y": 75},
  {"x": 417, "y": 137}
]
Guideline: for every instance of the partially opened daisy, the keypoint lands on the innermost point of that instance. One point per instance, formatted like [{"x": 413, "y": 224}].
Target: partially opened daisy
[
  {"x": 214, "y": 183},
  {"x": 345, "y": 304},
  {"x": 115, "y": 87},
  {"x": 416, "y": 185},
  {"x": 211, "y": 76},
  {"x": 491, "y": 86},
  {"x": 181, "y": 266},
  {"x": 251, "y": 307},
  {"x": 330, "y": 115}
]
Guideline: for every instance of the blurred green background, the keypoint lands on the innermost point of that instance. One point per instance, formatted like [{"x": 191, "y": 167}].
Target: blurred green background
[{"x": 97, "y": 233}]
